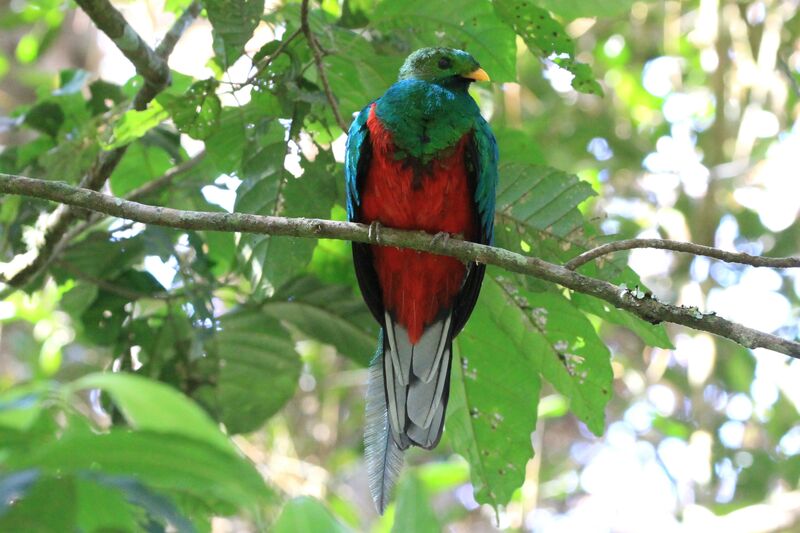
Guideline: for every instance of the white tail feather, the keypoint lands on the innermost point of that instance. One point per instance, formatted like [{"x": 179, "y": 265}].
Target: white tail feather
[{"x": 383, "y": 457}]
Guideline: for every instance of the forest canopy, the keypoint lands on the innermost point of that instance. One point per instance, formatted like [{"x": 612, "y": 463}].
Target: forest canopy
[{"x": 173, "y": 359}]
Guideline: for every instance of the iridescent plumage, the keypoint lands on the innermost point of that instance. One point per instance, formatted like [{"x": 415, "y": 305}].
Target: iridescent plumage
[{"x": 419, "y": 157}]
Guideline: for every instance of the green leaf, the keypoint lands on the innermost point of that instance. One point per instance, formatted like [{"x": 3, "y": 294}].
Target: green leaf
[
  {"x": 414, "y": 511},
  {"x": 307, "y": 514},
  {"x": 650, "y": 334},
  {"x": 225, "y": 146},
  {"x": 541, "y": 199},
  {"x": 356, "y": 73},
  {"x": 169, "y": 462},
  {"x": 259, "y": 368},
  {"x": 547, "y": 38},
  {"x": 102, "y": 508},
  {"x": 233, "y": 22},
  {"x": 492, "y": 410},
  {"x": 332, "y": 314},
  {"x": 268, "y": 189},
  {"x": 159, "y": 507},
  {"x": 195, "y": 113},
  {"x": 101, "y": 257},
  {"x": 571, "y": 355},
  {"x": 46, "y": 117},
  {"x": 539, "y": 206},
  {"x": 20, "y": 406},
  {"x": 69, "y": 160},
  {"x": 587, "y": 8},
  {"x": 471, "y": 25},
  {"x": 139, "y": 165},
  {"x": 50, "y": 505},
  {"x": 155, "y": 406},
  {"x": 134, "y": 124}
]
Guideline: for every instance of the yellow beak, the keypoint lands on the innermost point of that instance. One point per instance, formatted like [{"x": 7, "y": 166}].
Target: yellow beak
[{"x": 478, "y": 75}]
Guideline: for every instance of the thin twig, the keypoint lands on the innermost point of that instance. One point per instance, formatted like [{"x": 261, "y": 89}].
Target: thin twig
[
  {"x": 179, "y": 27},
  {"x": 646, "y": 308},
  {"x": 316, "y": 51},
  {"x": 164, "y": 50},
  {"x": 278, "y": 51},
  {"x": 687, "y": 247}
]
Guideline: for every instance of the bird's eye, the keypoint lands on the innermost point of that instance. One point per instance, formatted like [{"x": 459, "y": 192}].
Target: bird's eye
[{"x": 445, "y": 63}]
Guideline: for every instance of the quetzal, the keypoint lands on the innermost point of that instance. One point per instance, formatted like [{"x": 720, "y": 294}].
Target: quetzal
[{"x": 420, "y": 157}]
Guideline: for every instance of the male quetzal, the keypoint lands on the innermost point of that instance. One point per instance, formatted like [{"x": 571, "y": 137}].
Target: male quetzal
[{"x": 420, "y": 157}]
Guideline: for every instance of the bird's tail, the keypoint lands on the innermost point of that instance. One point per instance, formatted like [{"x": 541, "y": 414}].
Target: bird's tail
[{"x": 383, "y": 457}]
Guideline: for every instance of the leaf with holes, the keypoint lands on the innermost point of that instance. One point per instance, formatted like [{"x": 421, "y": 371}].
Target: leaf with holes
[
  {"x": 569, "y": 353},
  {"x": 494, "y": 394},
  {"x": 547, "y": 38},
  {"x": 537, "y": 214},
  {"x": 196, "y": 112},
  {"x": 233, "y": 22}
]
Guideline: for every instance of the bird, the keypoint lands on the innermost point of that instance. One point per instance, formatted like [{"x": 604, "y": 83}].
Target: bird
[{"x": 420, "y": 157}]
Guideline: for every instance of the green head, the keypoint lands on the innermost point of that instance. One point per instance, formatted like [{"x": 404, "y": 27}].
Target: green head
[{"x": 441, "y": 65}]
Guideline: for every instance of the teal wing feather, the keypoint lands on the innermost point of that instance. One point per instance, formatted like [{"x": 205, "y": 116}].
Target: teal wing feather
[
  {"x": 357, "y": 154},
  {"x": 486, "y": 156}
]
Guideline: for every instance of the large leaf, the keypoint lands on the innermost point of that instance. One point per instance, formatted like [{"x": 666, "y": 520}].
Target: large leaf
[
  {"x": 494, "y": 394},
  {"x": 259, "y": 368},
  {"x": 233, "y": 22},
  {"x": 225, "y": 146},
  {"x": 307, "y": 514},
  {"x": 650, "y": 334},
  {"x": 332, "y": 314},
  {"x": 414, "y": 511},
  {"x": 537, "y": 213},
  {"x": 357, "y": 74},
  {"x": 566, "y": 348},
  {"x": 471, "y": 25},
  {"x": 140, "y": 164},
  {"x": 168, "y": 462},
  {"x": 50, "y": 505},
  {"x": 541, "y": 199},
  {"x": 547, "y": 38},
  {"x": 154, "y": 406},
  {"x": 587, "y": 8},
  {"x": 268, "y": 189},
  {"x": 101, "y": 507}
]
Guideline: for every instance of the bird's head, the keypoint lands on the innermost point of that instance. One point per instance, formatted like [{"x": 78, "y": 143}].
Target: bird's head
[{"x": 442, "y": 65}]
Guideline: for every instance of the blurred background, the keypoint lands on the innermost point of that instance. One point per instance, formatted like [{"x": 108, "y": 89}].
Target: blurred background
[{"x": 696, "y": 138}]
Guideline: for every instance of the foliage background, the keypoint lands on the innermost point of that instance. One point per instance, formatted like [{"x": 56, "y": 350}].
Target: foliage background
[{"x": 680, "y": 121}]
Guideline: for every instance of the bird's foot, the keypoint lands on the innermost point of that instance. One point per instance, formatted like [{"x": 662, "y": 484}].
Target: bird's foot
[
  {"x": 440, "y": 238},
  {"x": 374, "y": 232}
]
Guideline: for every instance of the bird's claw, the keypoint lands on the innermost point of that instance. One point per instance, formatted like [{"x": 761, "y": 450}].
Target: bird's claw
[
  {"x": 374, "y": 232},
  {"x": 440, "y": 238}
]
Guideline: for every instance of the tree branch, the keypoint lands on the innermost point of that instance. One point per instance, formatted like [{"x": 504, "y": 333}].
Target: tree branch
[
  {"x": 164, "y": 50},
  {"x": 152, "y": 66},
  {"x": 646, "y": 308},
  {"x": 316, "y": 51},
  {"x": 687, "y": 247}
]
